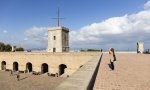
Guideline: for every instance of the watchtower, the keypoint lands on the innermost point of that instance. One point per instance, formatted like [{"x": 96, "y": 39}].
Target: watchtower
[
  {"x": 58, "y": 39},
  {"x": 140, "y": 47}
]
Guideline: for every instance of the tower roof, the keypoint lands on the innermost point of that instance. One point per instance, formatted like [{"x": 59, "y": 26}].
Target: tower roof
[{"x": 58, "y": 28}]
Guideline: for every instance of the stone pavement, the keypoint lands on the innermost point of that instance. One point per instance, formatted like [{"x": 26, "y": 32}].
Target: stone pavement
[
  {"x": 28, "y": 82},
  {"x": 132, "y": 72}
]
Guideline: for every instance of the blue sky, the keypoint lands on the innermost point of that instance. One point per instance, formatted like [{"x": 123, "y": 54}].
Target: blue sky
[{"x": 25, "y": 22}]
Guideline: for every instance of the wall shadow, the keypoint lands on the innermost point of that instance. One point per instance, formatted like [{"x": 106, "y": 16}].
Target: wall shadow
[{"x": 92, "y": 82}]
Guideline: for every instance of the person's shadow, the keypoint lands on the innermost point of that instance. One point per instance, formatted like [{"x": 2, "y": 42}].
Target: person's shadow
[
  {"x": 111, "y": 66},
  {"x": 23, "y": 78}
]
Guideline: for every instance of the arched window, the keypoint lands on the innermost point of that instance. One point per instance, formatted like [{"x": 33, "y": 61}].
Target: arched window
[
  {"x": 62, "y": 68},
  {"x": 44, "y": 68},
  {"x": 15, "y": 66},
  {"x": 29, "y": 67},
  {"x": 3, "y": 65}
]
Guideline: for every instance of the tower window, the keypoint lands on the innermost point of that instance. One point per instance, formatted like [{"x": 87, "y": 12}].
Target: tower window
[{"x": 54, "y": 37}]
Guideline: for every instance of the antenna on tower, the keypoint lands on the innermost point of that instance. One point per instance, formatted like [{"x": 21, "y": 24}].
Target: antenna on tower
[
  {"x": 58, "y": 14},
  {"x": 58, "y": 17}
]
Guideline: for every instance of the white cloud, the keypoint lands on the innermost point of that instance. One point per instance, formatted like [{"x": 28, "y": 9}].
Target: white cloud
[
  {"x": 147, "y": 5},
  {"x": 121, "y": 32},
  {"x": 116, "y": 30},
  {"x": 38, "y": 34},
  {"x": 25, "y": 39},
  {"x": 36, "y": 37},
  {"x": 5, "y": 31}
]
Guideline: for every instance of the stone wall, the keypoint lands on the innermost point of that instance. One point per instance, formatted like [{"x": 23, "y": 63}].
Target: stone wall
[
  {"x": 72, "y": 60},
  {"x": 83, "y": 78}
]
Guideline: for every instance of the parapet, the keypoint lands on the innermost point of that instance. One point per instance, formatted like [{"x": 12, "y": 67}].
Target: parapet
[
  {"x": 58, "y": 28},
  {"x": 83, "y": 78}
]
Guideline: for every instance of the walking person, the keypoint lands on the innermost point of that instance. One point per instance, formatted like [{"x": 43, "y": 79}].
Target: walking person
[
  {"x": 18, "y": 77},
  {"x": 11, "y": 73},
  {"x": 112, "y": 58}
]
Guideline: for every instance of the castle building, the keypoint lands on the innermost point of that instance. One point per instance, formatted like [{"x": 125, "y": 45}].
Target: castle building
[
  {"x": 58, "y": 39},
  {"x": 140, "y": 47}
]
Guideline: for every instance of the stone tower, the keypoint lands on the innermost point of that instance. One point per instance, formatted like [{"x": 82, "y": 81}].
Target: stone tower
[
  {"x": 140, "y": 47},
  {"x": 58, "y": 39}
]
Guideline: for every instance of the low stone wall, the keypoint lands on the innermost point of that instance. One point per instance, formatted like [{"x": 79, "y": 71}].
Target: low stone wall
[
  {"x": 134, "y": 52},
  {"x": 72, "y": 60},
  {"x": 83, "y": 78}
]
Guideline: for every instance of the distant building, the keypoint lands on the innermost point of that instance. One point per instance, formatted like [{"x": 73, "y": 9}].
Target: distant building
[
  {"x": 13, "y": 48},
  {"x": 58, "y": 39},
  {"x": 140, "y": 47}
]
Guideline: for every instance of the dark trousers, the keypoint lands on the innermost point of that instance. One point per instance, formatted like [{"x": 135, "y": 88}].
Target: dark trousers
[{"x": 112, "y": 65}]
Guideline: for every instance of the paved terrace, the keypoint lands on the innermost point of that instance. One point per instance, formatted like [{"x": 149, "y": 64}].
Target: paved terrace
[
  {"x": 28, "y": 82},
  {"x": 132, "y": 72}
]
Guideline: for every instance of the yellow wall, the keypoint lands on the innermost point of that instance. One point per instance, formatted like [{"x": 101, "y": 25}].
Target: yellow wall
[{"x": 72, "y": 60}]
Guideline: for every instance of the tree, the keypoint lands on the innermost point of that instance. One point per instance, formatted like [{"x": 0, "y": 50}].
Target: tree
[
  {"x": 91, "y": 50},
  {"x": 20, "y": 49},
  {"x": 2, "y": 47},
  {"x": 8, "y": 48}
]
